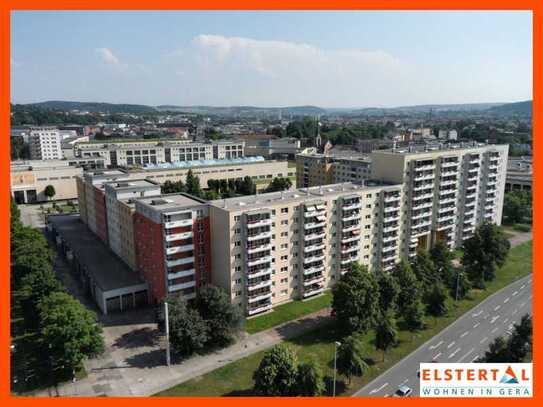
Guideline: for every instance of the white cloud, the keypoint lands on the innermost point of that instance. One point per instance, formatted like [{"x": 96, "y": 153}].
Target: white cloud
[
  {"x": 236, "y": 70},
  {"x": 108, "y": 56}
]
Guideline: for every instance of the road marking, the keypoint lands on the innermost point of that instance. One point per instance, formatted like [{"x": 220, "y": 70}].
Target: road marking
[
  {"x": 476, "y": 325},
  {"x": 454, "y": 353},
  {"x": 514, "y": 312},
  {"x": 515, "y": 293},
  {"x": 466, "y": 355},
  {"x": 522, "y": 286},
  {"x": 494, "y": 330},
  {"x": 494, "y": 319},
  {"x": 484, "y": 340},
  {"x": 450, "y": 345},
  {"x": 436, "y": 356},
  {"x": 476, "y": 315},
  {"x": 475, "y": 358},
  {"x": 497, "y": 308},
  {"x": 404, "y": 382},
  {"x": 522, "y": 305},
  {"x": 505, "y": 320},
  {"x": 506, "y": 300},
  {"x": 509, "y": 333},
  {"x": 436, "y": 345},
  {"x": 464, "y": 334},
  {"x": 379, "y": 389}
]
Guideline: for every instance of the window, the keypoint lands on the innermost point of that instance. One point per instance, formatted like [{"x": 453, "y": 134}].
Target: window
[
  {"x": 238, "y": 281},
  {"x": 237, "y": 231},
  {"x": 284, "y": 269},
  {"x": 284, "y": 234},
  {"x": 284, "y": 210},
  {"x": 238, "y": 268},
  {"x": 284, "y": 280},
  {"x": 284, "y": 222},
  {"x": 284, "y": 257},
  {"x": 237, "y": 243},
  {"x": 237, "y": 218},
  {"x": 284, "y": 246},
  {"x": 238, "y": 256},
  {"x": 284, "y": 292}
]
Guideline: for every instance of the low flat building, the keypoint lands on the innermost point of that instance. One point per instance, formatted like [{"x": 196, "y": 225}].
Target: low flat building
[
  {"x": 271, "y": 147},
  {"x": 519, "y": 174}
]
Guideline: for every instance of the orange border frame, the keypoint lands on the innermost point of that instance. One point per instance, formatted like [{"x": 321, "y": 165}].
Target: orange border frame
[{"x": 6, "y": 6}]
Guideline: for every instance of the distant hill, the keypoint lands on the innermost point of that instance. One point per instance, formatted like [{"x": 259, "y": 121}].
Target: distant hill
[
  {"x": 245, "y": 110},
  {"x": 95, "y": 107},
  {"x": 520, "y": 108},
  {"x": 460, "y": 107}
]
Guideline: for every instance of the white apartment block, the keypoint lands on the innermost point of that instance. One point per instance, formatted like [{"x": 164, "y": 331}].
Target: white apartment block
[
  {"x": 140, "y": 153},
  {"x": 277, "y": 247},
  {"x": 447, "y": 190},
  {"x": 45, "y": 143}
]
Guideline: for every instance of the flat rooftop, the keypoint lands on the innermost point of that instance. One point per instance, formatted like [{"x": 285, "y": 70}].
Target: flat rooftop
[
  {"x": 170, "y": 201},
  {"x": 204, "y": 163},
  {"x": 434, "y": 147},
  {"x": 340, "y": 155},
  {"x": 107, "y": 270},
  {"x": 298, "y": 195},
  {"x": 131, "y": 184}
]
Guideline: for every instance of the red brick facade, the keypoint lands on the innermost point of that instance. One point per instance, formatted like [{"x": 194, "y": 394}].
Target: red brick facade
[
  {"x": 202, "y": 239},
  {"x": 100, "y": 214}
]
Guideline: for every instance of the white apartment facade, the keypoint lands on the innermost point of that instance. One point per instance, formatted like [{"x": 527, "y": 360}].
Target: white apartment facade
[
  {"x": 293, "y": 245},
  {"x": 45, "y": 143}
]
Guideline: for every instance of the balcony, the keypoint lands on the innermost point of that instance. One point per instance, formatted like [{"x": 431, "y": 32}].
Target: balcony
[
  {"x": 387, "y": 239},
  {"x": 420, "y": 215},
  {"x": 261, "y": 235},
  {"x": 444, "y": 209},
  {"x": 422, "y": 205},
  {"x": 420, "y": 197},
  {"x": 391, "y": 208},
  {"x": 493, "y": 167},
  {"x": 312, "y": 236},
  {"x": 314, "y": 269},
  {"x": 313, "y": 259},
  {"x": 178, "y": 224},
  {"x": 179, "y": 249},
  {"x": 489, "y": 207},
  {"x": 426, "y": 167},
  {"x": 259, "y": 223},
  {"x": 448, "y": 200},
  {"x": 388, "y": 248},
  {"x": 349, "y": 259},
  {"x": 392, "y": 228},
  {"x": 182, "y": 286},
  {"x": 445, "y": 225},
  {"x": 393, "y": 218},
  {"x": 351, "y": 228},
  {"x": 447, "y": 183},
  {"x": 314, "y": 247},
  {"x": 259, "y": 297},
  {"x": 349, "y": 249},
  {"x": 314, "y": 225},
  {"x": 177, "y": 262},
  {"x": 258, "y": 310},
  {"x": 259, "y": 284},
  {"x": 429, "y": 186},
  {"x": 259, "y": 248},
  {"x": 261, "y": 260},
  {"x": 350, "y": 239},
  {"x": 178, "y": 236},
  {"x": 179, "y": 274},
  {"x": 423, "y": 177},
  {"x": 391, "y": 198},
  {"x": 389, "y": 255},
  {"x": 314, "y": 280},
  {"x": 259, "y": 273},
  {"x": 449, "y": 164},
  {"x": 348, "y": 217},
  {"x": 352, "y": 206},
  {"x": 313, "y": 291},
  {"x": 491, "y": 182}
]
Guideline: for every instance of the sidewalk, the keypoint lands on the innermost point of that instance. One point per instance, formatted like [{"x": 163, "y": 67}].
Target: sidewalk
[{"x": 121, "y": 373}]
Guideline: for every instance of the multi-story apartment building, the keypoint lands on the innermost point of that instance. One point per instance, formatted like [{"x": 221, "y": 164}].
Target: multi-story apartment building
[
  {"x": 120, "y": 209},
  {"x": 313, "y": 169},
  {"x": 271, "y": 147},
  {"x": 276, "y": 247},
  {"x": 448, "y": 190},
  {"x": 140, "y": 153},
  {"x": 45, "y": 143},
  {"x": 172, "y": 236}
]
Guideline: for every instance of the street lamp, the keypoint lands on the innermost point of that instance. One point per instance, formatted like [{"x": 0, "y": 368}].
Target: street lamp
[
  {"x": 167, "y": 326},
  {"x": 336, "y": 344}
]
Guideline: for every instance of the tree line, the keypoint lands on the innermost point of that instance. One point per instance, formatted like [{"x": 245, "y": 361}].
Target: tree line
[
  {"x": 52, "y": 332},
  {"x": 381, "y": 302}
]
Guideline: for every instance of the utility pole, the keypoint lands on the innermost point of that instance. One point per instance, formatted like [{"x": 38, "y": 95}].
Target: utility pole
[{"x": 167, "y": 326}]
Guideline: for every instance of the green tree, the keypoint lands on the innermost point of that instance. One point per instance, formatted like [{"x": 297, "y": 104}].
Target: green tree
[
  {"x": 70, "y": 333},
  {"x": 355, "y": 302},
  {"x": 277, "y": 372},
  {"x": 520, "y": 342},
  {"x": 388, "y": 291},
  {"x": 410, "y": 291},
  {"x": 171, "y": 187},
  {"x": 442, "y": 258},
  {"x": 424, "y": 270},
  {"x": 484, "y": 252},
  {"x": 414, "y": 316},
  {"x": 188, "y": 331},
  {"x": 49, "y": 191},
  {"x": 34, "y": 287},
  {"x": 459, "y": 284},
  {"x": 248, "y": 187},
  {"x": 310, "y": 381},
  {"x": 386, "y": 333},
  {"x": 517, "y": 207},
  {"x": 279, "y": 184},
  {"x": 350, "y": 358},
  {"x": 436, "y": 300},
  {"x": 193, "y": 184},
  {"x": 498, "y": 352},
  {"x": 223, "y": 319}
]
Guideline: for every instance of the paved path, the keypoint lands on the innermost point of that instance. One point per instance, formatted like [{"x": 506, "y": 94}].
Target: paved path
[
  {"x": 464, "y": 340},
  {"x": 134, "y": 363}
]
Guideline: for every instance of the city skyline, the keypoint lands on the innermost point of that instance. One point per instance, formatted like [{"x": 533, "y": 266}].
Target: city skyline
[{"x": 362, "y": 59}]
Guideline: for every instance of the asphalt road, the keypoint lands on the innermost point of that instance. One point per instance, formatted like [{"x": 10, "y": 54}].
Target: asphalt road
[{"x": 463, "y": 341}]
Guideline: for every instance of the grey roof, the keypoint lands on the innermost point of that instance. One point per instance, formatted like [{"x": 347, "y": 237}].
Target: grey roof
[{"x": 107, "y": 270}]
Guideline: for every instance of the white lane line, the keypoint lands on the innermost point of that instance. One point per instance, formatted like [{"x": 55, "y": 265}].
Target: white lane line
[
  {"x": 475, "y": 358},
  {"x": 508, "y": 333},
  {"x": 484, "y": 340},
  {"x": 522, "y": 286},
  {"x": 436, "y": 345},
  {"x": 454, "y": 353},
  {"x": 497, "y": 308},
  {"x": 450, "y": 345},
  {"x": 515, "y": 293},
  {"x": 379, "y": 388},
  {"x": 505, "y": 320},
  {"x": 514, "y": 312},
  {"x": 404, "y": 382},
  {"x": 477, "y": 314},
  {"x": 466, "y": 355},
  {"x": 494, "y": 330},
  {"x": 476, "y": 325},
  {"x": 464, "y": 334},
  {"x": 494, "y": 319},
  {"x": 506, "y": 300},
  {"x": 436, "y": 356},
  {"x": 522, "y": 305}
]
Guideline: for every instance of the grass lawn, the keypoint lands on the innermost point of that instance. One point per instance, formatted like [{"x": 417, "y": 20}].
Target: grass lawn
[
  {"x": 288, "y": 312},
  {"x": 235, "y": 379}
]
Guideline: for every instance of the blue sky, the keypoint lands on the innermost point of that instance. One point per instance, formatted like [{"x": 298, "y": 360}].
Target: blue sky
[{"x": 329, "y": 59}]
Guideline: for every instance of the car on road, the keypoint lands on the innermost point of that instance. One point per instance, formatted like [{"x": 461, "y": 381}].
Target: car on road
[{"x": 403, "y": 391}]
